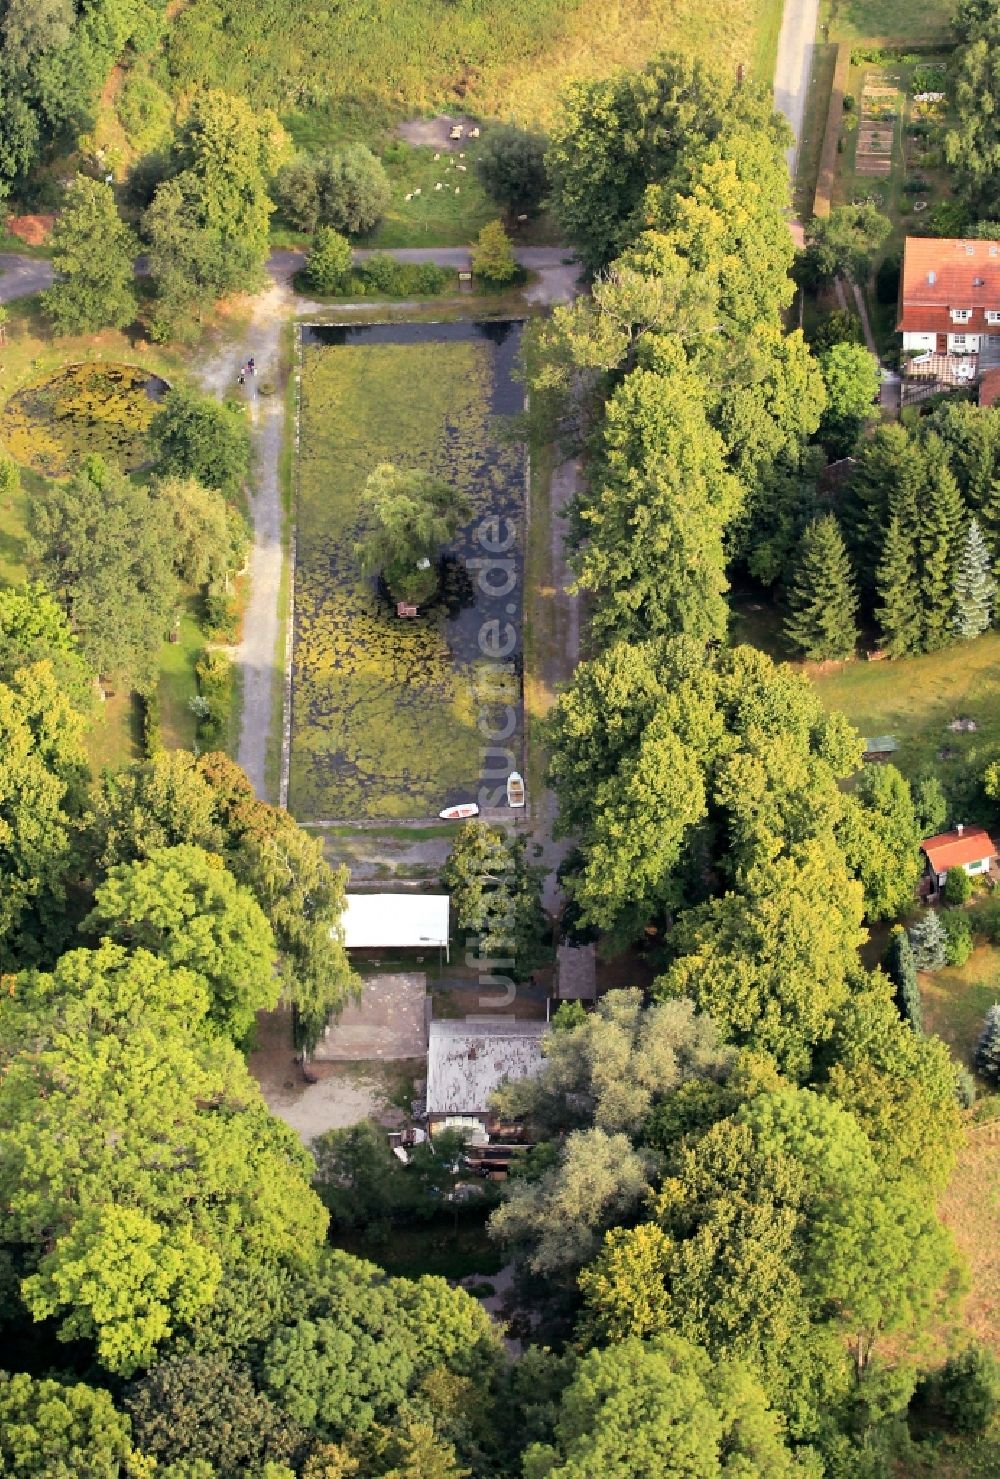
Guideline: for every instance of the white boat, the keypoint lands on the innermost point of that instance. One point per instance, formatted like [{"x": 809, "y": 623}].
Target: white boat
[
  {"x": 459, "y": 813},
  {"x": 515, "y": 789}
]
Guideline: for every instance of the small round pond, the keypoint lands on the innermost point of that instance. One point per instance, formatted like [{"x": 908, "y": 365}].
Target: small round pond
[{"x": 80, "y": 410}]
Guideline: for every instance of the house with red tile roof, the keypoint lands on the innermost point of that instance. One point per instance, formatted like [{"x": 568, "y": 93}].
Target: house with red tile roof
[
  {"x": 969, "y": 848},
  {"x": 949, "y": 297}
]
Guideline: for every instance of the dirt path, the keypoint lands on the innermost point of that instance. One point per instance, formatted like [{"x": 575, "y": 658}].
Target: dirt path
[{"x": 256, "y": 654}]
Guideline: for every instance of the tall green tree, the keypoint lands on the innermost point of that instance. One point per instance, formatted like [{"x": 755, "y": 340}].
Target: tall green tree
[
  {"x": 224, "y": 155},
  {"x": 177, "y": 799},
  {"x": 845, "y": 241},
  {"x": 185, "y": 261},
  {"x": 655, "y": 519},
  {"x": 407, "y": 517},
  {"x": 612, "y": 1068},
  {"x": 975, "y": 588},
  {"x": 196, "y": 437},
  {"x": 939, "y": 544},
  {"x": 851, "y": 376},
  {"x": 887, "y": 483},
  {"x": 101, "y": 546},
  {"x": 663, "y": 1407},
  {"x": 33, "y": 628},
  {"x": 175, "y": 1169},
  {"x": 93, "y": 252},
  {"x": 184, "y": 906},
  {"x": 928, "y": 940},
  {"x": 42, "y": 772},
  {"x": 48, "y": 1429},
  {"x": 899, "y": 613},
  {"x": 511, "y": 164},
  {"x": 210, "y": 536},
  {"x": 496, "y": 897},
  {"x": 972, "y": 142},
  {"x": 822, "y": 604},
  {"x": 881, "y": 834}
]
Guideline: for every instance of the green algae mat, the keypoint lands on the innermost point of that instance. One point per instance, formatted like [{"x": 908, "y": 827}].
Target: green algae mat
[{"x": 397, "y": 718}]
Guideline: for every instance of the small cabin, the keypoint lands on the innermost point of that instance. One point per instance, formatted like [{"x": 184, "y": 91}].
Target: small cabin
[{"x": 969, "y": 848}]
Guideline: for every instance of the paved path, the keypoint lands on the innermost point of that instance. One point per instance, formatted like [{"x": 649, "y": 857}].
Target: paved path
[{"x": 791, "y": 72}]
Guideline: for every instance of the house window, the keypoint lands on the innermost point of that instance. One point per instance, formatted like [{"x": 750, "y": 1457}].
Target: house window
[
  {"x": 961, "y": 315},
  {"x": 993, "y": 315},
  {"x": 958, "y": 341}
]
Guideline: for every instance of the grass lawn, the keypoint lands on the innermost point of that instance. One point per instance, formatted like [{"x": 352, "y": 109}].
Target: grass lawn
[
  {"x": 177, "y": 685},
  {"x": 915, "y": 699},
  {"x": 956, "y": 999},
  {"x": 113, "y": 739},
  {"x": 384, "y": 712},
  {"x": 971, "y": 1209},
  {"x": 916, "y": 20}
]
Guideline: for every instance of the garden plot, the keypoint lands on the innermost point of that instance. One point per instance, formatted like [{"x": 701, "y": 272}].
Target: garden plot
[
  {"x": 880, "y": 106},
  {"x": 385, "y": 710}
]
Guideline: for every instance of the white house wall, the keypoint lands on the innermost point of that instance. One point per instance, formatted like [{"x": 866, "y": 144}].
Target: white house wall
[{"x": 920, "y": 342}]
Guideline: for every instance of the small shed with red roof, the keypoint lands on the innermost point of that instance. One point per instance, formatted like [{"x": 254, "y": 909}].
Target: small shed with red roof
[{"x": 969, "y": 848}]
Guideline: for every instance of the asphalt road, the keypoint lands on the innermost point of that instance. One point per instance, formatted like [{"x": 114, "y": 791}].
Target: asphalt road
[
  {"x": 791, "y": 71},
  {"x": 20, "y": 277}
]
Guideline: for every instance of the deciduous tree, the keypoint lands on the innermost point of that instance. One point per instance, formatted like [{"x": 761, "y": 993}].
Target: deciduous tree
[
  {"x": 184, "y": 906},
  {"x": 196, "y": 437},
  {"x": 49, "y": 1429},
  {"x": 511, "y": 164},
  {"x": 93, "y": 253},
  {"x": 845, "y": 241},
  {"x": 881, "y": 836},
  {"x": 105, "y": 552},
  {"x": 493, "y": 256},
  {"x": 175, "y": 1170},
  {"x": 851, "y": 376},
  {"x": 407, "y": 517}
]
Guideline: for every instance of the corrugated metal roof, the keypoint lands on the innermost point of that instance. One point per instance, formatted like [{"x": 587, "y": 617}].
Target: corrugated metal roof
[{"x": 467, "y": 1058}]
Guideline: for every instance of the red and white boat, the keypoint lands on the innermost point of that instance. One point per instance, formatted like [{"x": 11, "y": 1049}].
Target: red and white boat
[
  {"x": 515, "y": 789},
  {"x": 459, "y": 813}
]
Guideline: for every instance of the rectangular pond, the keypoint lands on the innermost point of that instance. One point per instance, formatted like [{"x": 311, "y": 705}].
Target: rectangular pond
[{"x": 397, "y": 718}]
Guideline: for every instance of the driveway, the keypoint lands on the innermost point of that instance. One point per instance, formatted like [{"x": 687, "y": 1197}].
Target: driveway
[{"x": 791, "y": 72}]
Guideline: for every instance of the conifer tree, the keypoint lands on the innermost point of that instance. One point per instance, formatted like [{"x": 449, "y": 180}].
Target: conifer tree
[
  {"x": 822, "y": 603},
  {"x": 988, "y": 1046},
  {"x": 929, "y": 942},
  {"x": 886, "y": 483},
  {"x": 975, "y": 589},
  {"x": 939, "y": 539},
  {"x": 901, "y": 968},
  {"x": 899, "y": 615}
]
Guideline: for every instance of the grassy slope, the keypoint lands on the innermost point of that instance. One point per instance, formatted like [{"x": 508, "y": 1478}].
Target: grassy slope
[{"x": 380, "y": 695}]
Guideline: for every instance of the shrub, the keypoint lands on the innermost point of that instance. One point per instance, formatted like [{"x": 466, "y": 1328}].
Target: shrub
[
  {"x": 988, "y": 920},
  {"x": 957, "y": 886},
  {"x": 328, "y": 263},
  {"x": 958, "y": 936},
  {"x": 968, "y": 1389},
  {"x": 345, "y": 188},
  {"x": 965, "y": 1087},
  {"x": 383, "y": 273},
  {"x": 152, "y": 743},
  {"x": 221, "y": 615},
  {"x": 988, "y": 1047},
  {"x": 929, "y": 942},
  {"x": 214, "y": 673}
]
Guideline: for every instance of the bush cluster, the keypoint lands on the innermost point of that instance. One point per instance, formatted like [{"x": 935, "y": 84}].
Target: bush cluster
[{"x": 214, "y": 672}]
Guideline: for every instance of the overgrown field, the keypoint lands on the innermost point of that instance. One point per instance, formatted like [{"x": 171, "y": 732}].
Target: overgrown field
[
  {"x": 384, "y": 711},
  {"x": 351, "y": 68},
  {"x": 916, "y": 20}
]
